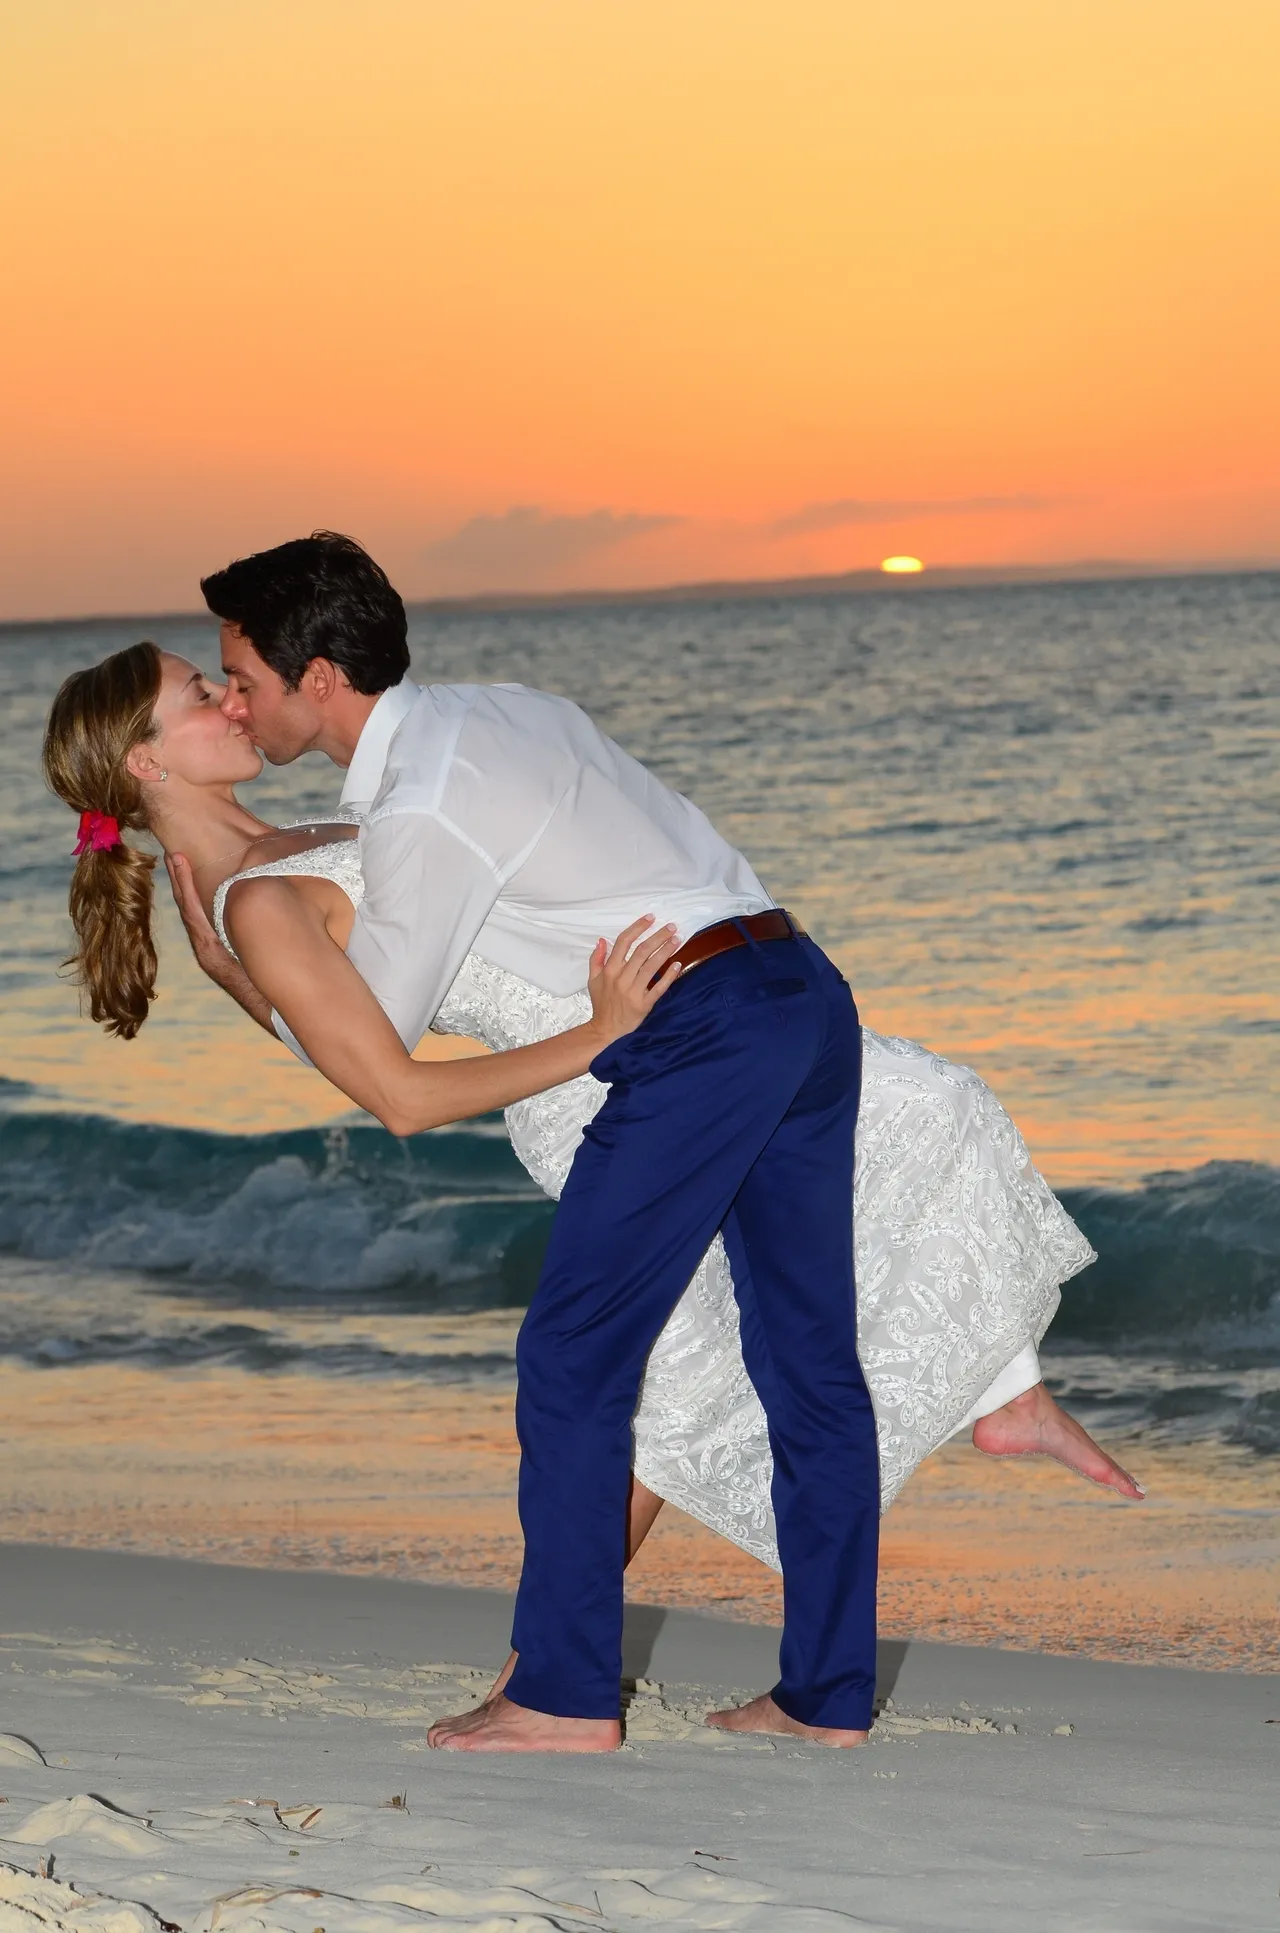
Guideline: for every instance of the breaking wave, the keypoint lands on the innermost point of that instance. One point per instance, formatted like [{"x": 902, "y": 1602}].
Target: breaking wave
[
  {"x": 1189, "y": 1254},
  {"x": 449, "y": 1219},
  {"x": 171, "y": 1247},
  {"x": 451, "y": 1215}
]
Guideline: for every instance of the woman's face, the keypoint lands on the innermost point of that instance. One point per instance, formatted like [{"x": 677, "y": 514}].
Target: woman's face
[{"x": 194, "y": 740}]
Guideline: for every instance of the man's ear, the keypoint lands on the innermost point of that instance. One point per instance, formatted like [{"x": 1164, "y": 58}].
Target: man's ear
[{"x": 322, "y": 681}]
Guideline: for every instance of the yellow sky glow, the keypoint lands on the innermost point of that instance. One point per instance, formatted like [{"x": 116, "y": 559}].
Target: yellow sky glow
[{"x": 569, "y": 294}]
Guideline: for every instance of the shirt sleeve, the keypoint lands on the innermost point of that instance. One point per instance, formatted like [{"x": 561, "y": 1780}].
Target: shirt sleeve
[{"x": 427, "y": 894}]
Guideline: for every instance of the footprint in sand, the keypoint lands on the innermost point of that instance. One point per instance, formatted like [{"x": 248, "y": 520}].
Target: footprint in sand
[
  {"x": 19, "y": 1751},
  {"x": 687, "y": 1898},
  {"x": 90, "y": 1820},
  {"x": 30, "y": 1904}
]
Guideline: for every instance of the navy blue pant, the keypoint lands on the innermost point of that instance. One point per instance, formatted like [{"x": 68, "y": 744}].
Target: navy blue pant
[{"x": 732, "y": 1107}]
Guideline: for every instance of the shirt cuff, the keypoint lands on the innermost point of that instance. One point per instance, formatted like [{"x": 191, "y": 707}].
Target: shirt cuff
[{"x": 290, "y": 1040}]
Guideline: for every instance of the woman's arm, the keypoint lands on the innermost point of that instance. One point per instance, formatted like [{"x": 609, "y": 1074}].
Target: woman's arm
[{"x": 286, "y": 950}]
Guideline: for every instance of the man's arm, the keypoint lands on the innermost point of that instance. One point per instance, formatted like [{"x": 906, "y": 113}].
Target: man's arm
[
  {"x": 212, "y": 956},
  {"x": 427, "y": 893}
]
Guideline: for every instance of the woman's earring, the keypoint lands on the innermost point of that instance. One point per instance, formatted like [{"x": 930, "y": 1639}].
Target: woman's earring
[{"x": 163, "y": 776}]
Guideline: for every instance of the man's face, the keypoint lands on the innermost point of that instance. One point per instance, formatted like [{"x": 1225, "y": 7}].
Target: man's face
[{"x": 282, "y": 724}]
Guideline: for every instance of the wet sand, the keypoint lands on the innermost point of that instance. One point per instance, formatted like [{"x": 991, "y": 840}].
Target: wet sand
[{"x": 417, "y": 1481}]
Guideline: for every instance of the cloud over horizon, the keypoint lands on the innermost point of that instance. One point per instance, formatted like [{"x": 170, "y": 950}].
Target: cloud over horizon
[
  {"x": 529, "y": 547},
  {"x": 525, "y": 542},
  {"x": 864, "y": 510}
]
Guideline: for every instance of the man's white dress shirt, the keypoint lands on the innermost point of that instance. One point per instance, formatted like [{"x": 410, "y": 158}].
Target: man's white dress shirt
[{"x": 502, "y": 821}]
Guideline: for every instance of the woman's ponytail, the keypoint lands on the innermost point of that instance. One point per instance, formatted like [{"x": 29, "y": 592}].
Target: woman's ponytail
[{"x": 97, "y": 718}]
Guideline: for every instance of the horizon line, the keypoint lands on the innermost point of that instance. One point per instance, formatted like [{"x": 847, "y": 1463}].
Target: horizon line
[{"x": 870, "y": 579}]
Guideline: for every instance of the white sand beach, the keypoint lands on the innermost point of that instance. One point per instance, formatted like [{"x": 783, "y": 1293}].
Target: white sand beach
[{"x": 206, "y": 1747}]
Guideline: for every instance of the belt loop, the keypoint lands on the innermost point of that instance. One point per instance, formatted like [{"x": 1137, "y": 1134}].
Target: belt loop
[{"x": 749, "y": 937}]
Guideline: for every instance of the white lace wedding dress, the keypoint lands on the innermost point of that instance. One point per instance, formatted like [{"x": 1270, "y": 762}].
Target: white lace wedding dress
[{"x": 961, "y": 1249}]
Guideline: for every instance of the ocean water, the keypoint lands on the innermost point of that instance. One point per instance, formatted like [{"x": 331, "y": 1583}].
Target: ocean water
[{"x": 1037, "y": 827}]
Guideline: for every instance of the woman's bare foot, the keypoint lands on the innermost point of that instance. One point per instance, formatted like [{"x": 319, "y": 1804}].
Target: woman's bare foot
[
  {"x": 500, "y": 1726},
  {"x": 762, "y": 1715},
  {"x": 1034, "y": 1425}
]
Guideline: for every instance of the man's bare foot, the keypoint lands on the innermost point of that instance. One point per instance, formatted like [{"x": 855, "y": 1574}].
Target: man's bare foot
[
  {"x": 762, "y": 1715},
  {"x": 1034, "y": 1425},
  {"x": 500, "y": 1726}
]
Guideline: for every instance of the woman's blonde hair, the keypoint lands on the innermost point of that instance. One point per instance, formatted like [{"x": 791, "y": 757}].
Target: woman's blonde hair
[{"x": 97, "y": 718}]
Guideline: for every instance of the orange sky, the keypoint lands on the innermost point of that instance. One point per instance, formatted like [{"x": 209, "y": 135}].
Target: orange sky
[{"x": 571, "y": 293}]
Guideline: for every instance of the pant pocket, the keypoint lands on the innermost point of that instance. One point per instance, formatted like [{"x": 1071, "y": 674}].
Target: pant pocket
[{"x": 764, "y": 990}]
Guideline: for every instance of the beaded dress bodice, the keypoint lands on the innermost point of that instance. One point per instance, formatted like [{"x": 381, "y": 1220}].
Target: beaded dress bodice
[{"x": 960, "y": 1249}]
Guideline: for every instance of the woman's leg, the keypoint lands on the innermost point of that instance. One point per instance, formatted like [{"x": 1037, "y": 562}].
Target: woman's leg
[
  {"x": 1015, "y": 1379},
  {"x": 1029, "y": 1424},
  {"x": 642, "y": 1514}
]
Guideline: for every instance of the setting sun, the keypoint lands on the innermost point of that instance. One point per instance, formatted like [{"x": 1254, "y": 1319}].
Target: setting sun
[
  {"x": 901, "y": 566},
  {"x": 535, "y": 306}
]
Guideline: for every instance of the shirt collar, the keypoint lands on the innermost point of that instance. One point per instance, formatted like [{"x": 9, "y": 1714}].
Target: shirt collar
[{"x": 368, "y": 761}]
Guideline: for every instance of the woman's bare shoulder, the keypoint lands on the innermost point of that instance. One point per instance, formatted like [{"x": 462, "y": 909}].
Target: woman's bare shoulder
[{"x": 273, "y": 899}]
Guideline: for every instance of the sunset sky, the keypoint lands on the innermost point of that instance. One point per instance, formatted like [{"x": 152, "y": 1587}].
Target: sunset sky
[{"x": 540, "y": 293}]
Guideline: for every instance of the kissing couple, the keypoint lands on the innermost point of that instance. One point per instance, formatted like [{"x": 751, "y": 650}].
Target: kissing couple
[{"x": 681, "y": 1066}]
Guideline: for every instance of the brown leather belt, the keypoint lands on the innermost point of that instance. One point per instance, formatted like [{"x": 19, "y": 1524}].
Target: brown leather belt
[{"x": 726, "y": 934}]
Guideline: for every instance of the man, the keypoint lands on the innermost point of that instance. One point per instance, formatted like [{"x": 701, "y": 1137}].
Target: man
[{"x": 502, "y": 821}]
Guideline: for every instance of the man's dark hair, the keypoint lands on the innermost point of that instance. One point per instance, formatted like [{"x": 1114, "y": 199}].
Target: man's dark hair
[{"x": 320, "y": 596}]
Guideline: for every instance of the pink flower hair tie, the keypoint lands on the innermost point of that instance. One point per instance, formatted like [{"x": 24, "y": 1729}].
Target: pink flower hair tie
[{"x": 99, "y": 832}]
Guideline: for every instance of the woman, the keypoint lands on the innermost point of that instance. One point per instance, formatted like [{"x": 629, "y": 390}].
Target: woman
[{"x": 961, "y": 1247}]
